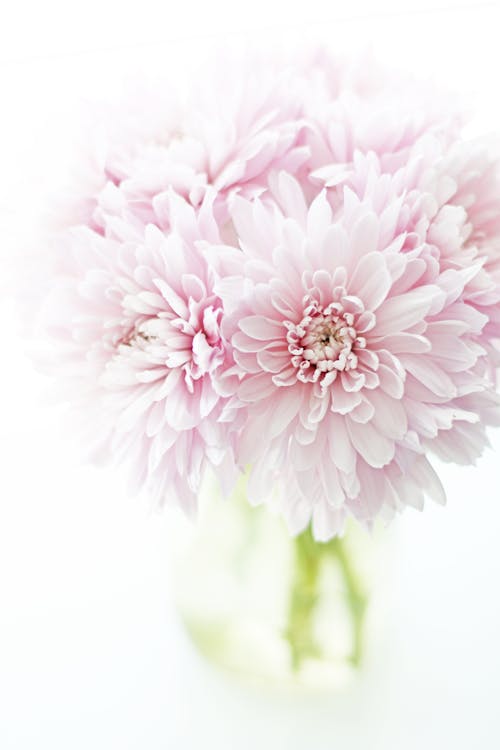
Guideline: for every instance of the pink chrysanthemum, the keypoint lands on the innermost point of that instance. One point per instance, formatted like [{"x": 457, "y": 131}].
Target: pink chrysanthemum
[
  {"x": 355, "y": 349},
  {"x": 230, "y": 132},
  {"x": 371, "y": 111},
  {"x": 136, "y": 331}
]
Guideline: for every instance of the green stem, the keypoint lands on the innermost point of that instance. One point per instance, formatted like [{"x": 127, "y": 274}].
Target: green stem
[
  {"x": 303, "y": 599},
  {"x": 355, "y": 595},
  {"x": 309, "y": 556}
]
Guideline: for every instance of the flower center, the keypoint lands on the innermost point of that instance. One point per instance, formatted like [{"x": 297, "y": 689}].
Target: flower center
[
  {"x": 324, "y": 342},
  {"x": 134, "y": 336},
  {"x": 193, "y": 343}
]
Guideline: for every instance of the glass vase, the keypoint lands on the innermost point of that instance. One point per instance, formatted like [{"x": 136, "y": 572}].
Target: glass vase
[{"x": 269, "y": 606}]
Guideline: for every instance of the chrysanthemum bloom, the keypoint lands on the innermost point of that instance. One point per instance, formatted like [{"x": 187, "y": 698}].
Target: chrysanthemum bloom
[
  {"x": 236, "y": 124},
  {"x": 372, "y": 110},
  {"x": 356, "y": 349},
  {"x": 473, "y": 169},
  {"x": 135, "y": 326}
]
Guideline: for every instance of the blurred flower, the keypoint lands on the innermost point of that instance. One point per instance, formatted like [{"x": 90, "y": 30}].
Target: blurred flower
[
  {"x": 135, "y": 328},
  {"x": 234, "y": 126}
]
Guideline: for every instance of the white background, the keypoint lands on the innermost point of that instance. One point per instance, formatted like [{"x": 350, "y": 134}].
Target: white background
[{"x": 91, "y": 657}]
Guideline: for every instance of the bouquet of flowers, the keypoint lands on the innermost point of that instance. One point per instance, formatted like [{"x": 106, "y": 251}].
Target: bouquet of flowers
[{"x": 293, "y": 274}]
